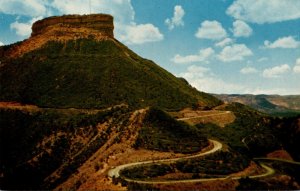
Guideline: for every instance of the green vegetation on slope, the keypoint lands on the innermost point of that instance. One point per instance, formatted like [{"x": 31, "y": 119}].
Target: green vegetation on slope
[
  {"x": 219, "y": 163},
  {"x": 88, "y": 74},
  {"x": 216, "y": 164},
  {"x": 284, "y": 182},
  {"x": 251, "y": 132},
  {"x": 256, "y": 133},
  {"x": 289, "y": 134},
  {"x": 164, "y": 133},
  {"x": 35, "y": 145}
]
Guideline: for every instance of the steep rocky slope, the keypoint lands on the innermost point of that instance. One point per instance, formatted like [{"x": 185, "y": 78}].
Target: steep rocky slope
[{"x": 74, "y": 61}]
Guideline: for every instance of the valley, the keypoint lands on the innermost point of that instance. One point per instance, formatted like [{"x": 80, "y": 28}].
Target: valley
[
  {"x": 79, "y": 110},
  {"x": 121, "y": 145}
]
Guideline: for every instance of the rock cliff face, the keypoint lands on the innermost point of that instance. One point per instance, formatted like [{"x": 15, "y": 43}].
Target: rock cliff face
[
  {"x": 64, "y": 28},
  {"x": 101, "y": 23}
]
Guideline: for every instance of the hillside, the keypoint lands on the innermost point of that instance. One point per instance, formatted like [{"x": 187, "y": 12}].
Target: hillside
[
  {"x": 42, "y": 148},
  {"x": 81, "y": 111},
  {"x": 70, "y": 96},
  {"x": 272, "y": 104},
  {"x": 69, "y": 63}
]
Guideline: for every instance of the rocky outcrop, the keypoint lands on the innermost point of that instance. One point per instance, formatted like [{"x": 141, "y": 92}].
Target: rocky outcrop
[
  {"x": 101, "y": 23},
  {"x": 64, "y": 28}
]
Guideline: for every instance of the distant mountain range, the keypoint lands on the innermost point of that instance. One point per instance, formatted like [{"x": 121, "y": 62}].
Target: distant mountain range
[{"x": 272, "y": 104}]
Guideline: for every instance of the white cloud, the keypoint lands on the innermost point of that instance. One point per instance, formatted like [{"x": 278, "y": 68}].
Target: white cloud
[
  {"x": 176, "y": 20},
  {"x": 203, "y": 55},
  {"x": 139, "y": 34},
  {"x": 241, "y": 29},
  {"x": 31, "y": 8},
  {"x": 276, "y": 71},
  {"x": 272, "y": 91},
  {"x": 23, "y": 29},
  {"x": 224, "y": 42},
  {"x": 264, "y": 11},
  {"x": 1, "y": 43},
  {"x": 262, "y": 59},
  {"x": 248, "y": 70},
  {"x": 204, "y": 80},
  {"x": 211, "y": 30},
  {"x": 122, "y": 10},
  {"x": 296, "y": 68},
  {"x": 284, "y": 42},
  {"x": 195, "y": 72},
  {"x": 236, "y": 52}
]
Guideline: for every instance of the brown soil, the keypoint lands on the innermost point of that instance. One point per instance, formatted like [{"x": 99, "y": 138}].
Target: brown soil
[
  {"x": 220, "y": 118},
  {"x": 113, "y": 154},
  {"x": 211, "y": 185},
  {"x": 18, "y": 106},
  {"x": 252, "y": 169},
  {"x": 281, "y": 154}
]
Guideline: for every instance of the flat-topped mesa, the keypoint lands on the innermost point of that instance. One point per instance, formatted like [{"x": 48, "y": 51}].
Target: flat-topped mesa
[
  {"x": 78, "y": 26},
  {"x": 97, "y": 27}
]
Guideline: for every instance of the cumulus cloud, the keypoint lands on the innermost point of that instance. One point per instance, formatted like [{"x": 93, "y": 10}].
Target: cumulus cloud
[
  {"x": 139, "y": 34},
  {"x": 211, "y": 30},
  {"x": 23, "y": 29},
  {"x": 204, "y": 80},
  {"x": 272, "y": 91},
  {"x": 248, "y": 70},
  {"x": 236, "y": 52},
  {"x": 122, "y": 10},
  {"x": 262, "y": 59},
  {"x": 177, "y": 19},
  {"x": 284, "y": 42},
  {"x": 276, "y": 71},
  {"x": 203, "y": 55},
  {"x": 264, "y": 11},
  {"x": 1, "y": 43},
  {"x": 31, "y": 8},
  {"x": 296, "y": 68},
  {"x": 241, "y": 29},
  {"x": 224, "y": 42}
]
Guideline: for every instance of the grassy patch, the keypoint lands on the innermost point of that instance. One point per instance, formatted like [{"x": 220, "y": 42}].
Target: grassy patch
[
  {"x": 88, "y": 74},
  {"x": 164, "y": 133}
]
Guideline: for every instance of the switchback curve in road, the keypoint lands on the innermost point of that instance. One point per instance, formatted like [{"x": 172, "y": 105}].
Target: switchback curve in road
[
  {"x": 115, "y": 172},
  {"x": 269, "y": 171}
]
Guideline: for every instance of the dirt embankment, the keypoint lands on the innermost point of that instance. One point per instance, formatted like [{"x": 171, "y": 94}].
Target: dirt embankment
[{"x": 220, "y": 118}]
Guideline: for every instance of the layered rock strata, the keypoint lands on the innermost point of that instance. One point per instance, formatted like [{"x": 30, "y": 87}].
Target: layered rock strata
[{"x": 64, "y": 28}]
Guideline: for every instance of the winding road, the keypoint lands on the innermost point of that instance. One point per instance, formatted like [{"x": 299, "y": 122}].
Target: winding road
[
  {"x": 202, "y": 116},
  {"x": 115, "y": 172}
]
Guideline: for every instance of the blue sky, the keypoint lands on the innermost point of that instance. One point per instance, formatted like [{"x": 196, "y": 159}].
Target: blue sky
[{"x": 219, "y": 46}]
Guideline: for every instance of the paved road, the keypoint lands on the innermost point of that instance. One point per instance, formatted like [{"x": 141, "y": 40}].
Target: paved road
[
  {"x": 269, "y": 171},
  {"x": 115, "y": 172},
  {"x": 220, "y": 113},
  {"x": 278, "y": 159}
]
